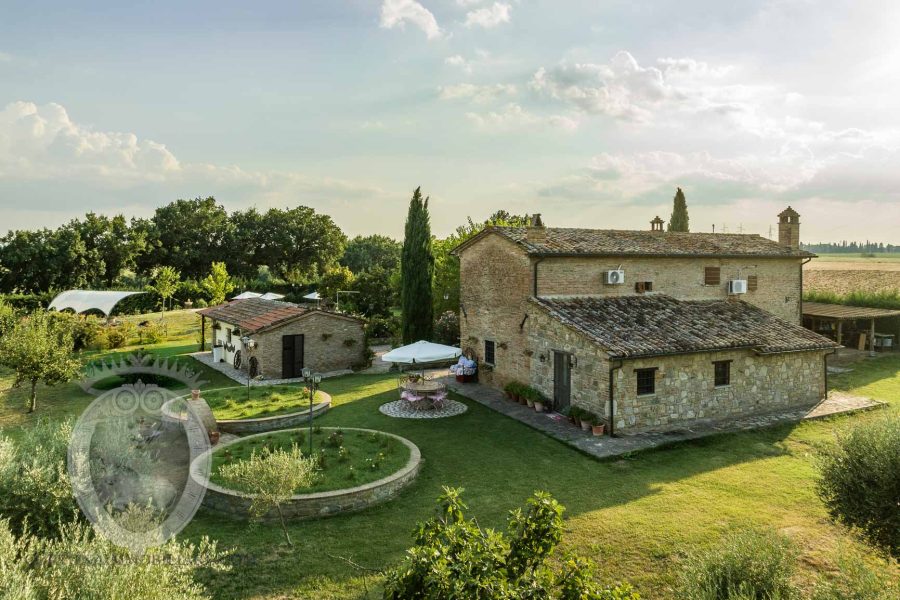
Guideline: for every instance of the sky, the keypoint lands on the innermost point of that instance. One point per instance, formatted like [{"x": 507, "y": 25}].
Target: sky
[{"x": 589, "y": 112}]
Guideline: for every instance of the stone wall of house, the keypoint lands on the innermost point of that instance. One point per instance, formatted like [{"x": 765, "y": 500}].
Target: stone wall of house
[
  {"x": 590, "y": 374},
  {"x": 778, "y": 290},
  {"x": 495, "y": 284},
  {"x": 685, "y": 389},
  {"x": 326, "y": 346}
]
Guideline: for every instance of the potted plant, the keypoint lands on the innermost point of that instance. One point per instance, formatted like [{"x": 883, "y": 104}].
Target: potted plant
[
  {"x": 598, "y": 426},
  {"x": 530, "y": 396},
  {"x": 510, "y": 389},
  {"x": 575, "y": 416},
  {"x": 540, "y": 403},
  {"x": 586, "y": 418}
]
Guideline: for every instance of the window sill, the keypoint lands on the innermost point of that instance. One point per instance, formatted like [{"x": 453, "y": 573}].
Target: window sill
[
  {"x": 722, "y": 387},
  {"x": 650, "y": 395}
]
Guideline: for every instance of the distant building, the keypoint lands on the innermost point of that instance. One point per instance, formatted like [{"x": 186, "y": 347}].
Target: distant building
[
  {"x": 278, "y": 339},
  {"x": 650, "y": 329}
]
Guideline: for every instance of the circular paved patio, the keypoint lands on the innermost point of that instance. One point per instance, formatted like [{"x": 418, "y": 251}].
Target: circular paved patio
[{"x": 401, "y": 410}]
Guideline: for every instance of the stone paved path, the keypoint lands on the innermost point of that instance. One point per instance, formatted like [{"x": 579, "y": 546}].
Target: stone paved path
[
  {"x": 241, "y": 377},
  {"x": 557, "y": 426},
  {"x": 379, "y": 366}
]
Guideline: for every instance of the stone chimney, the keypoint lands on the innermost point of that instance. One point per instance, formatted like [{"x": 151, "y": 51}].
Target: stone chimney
[
  {"x": 536, "y": 233},
  {"x": 657, "y": 224},
  {"x": 789, "y": 228}
]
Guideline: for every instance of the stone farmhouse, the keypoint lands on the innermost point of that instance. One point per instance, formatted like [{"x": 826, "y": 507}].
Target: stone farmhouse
[
  {"x": 278, "y": 339},
  {"x": 650, "y": 329}
]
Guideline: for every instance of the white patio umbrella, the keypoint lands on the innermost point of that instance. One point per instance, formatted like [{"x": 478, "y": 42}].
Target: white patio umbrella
[
  {"x": 421, "y": 352},
  {"x": 246, "y": 295}
]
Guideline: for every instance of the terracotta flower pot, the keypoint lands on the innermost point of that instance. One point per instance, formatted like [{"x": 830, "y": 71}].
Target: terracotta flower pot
[
  {"x": 598, "y": 429},
  {"x": 214, "y": 437},
  {"x": 585, "y": 425},
  {"x": 530, "y": 403}
]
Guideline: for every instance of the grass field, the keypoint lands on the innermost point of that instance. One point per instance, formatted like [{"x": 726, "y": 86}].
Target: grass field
[
  {"x": 359, "y": 458},
  {"x": 268, "y": 401},
  {"x": 879, "y": 262},
  {"x": 636, "y": 516}
]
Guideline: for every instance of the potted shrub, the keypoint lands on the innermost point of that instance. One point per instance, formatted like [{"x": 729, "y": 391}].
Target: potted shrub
[
  {"x": 530, "y": 395},
  {"x": 575, "y": 416},
  {"x": 586, "y": 418},
  {"x": 598, "y": 426},
  {"x": 541, "y": 403},
  {"x": 510, "y": 389}
]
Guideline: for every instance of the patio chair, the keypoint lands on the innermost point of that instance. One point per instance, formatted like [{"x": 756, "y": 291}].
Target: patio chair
[{"x": 439, "y": 400}]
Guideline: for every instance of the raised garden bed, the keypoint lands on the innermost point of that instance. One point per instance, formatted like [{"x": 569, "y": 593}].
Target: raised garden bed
[
  {"x": 264, "y": 401},
  {"x": 373, "y": 467}
]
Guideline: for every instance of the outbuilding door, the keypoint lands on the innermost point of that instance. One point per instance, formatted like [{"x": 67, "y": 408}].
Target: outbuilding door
[
  {"x": 291, "y": 356},
  {"x": 562, "y": 380}
]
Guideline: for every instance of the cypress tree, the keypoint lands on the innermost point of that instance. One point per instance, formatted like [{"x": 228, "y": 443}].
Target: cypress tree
[
  {"x": 416, "y": 272},
  {"x": 679, "y": 219}
]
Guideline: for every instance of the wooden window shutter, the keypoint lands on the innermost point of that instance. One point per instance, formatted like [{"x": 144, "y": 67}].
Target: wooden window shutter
[
  {"x": 752, "y": 283},
  {"x": 712, "y": 276}
]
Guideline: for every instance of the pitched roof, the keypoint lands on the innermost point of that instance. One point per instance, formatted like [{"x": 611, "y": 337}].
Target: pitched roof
[
  {"x": 655, "y": 324},
  {"x": 615, "y": 242},
  {"x": 255, "y": 314}
]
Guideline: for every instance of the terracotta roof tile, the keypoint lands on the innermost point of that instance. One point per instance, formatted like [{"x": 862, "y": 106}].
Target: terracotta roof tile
[
  {"x": 655, "y": 324},
  {"x": 253, "y": 314},
  {"x": 614, "y": 242}
]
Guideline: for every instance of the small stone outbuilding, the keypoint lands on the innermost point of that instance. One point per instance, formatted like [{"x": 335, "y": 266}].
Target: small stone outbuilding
[{"x": 277, "y": 340}]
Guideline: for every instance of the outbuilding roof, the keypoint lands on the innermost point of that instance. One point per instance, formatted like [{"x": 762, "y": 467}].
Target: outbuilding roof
[
  {"x": 657, "y": 325},
  {"x": 555, "y": 241},
  {"x": 255, "y": 314},
  {"x": 841, "y": 312}
]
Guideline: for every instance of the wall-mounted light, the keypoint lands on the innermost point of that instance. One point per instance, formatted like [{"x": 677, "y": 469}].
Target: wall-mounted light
[
  {"x": 573, "y": 361},
  {"x": 248, "y": 343}
]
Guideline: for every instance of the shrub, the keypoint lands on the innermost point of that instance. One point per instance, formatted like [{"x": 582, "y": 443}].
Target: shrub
[
  {"x": 118, "y": 336},
  {"x": 152, "y": 333},
  {"x": 745, "y": 564},
  {"x": 855, "y": 580},
  {"x": 446, "y": 328},
  {"x": 383, "y": 327},
  {"x": 859, "y": 481},
  {"x": 453, "y": 557},
  {"x": 35, "y": 493},
  {"x": 80, "y": 565},
  {"x": 200, "y": 303}
]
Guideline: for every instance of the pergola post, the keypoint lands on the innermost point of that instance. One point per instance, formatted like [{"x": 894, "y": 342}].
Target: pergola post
[
  {"x": 202, "y": 333},
  {"x": 840, "y": 331},
  {"x": 872, "y": 337}
]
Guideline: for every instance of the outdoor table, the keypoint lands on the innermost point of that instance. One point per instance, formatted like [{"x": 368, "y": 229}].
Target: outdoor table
[{"x": 427, "y": 390}]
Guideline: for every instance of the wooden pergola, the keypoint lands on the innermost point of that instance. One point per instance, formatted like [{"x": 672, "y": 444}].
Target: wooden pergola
[{"x": 838, "y": 314}]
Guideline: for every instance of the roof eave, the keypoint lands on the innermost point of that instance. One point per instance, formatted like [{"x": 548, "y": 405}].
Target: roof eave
[{"x": 660, "y": 255}]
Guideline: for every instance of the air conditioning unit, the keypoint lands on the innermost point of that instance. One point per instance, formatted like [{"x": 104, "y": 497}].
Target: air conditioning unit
[
  {"x": 737, "y": 286},
  {"x": 615, "y": 277}
]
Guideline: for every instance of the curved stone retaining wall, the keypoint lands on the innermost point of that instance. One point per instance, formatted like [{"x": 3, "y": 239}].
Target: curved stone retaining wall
[
  {"x": 262, "y": 424},
  {"x": 318, "y": 505}
]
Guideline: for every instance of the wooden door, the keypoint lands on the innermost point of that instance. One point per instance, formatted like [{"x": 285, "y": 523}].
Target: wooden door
[
  {"x": 562, "y": 380},
  {"x": 291, "y": 356}
]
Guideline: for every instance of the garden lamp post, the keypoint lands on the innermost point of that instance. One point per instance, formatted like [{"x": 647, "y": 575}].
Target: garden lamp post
[
  {"x": 312, "y": 383},
  {"x": 248, "y": 344}
]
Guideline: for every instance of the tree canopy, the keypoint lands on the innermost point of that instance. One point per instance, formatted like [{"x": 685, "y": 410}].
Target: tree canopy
[
  {"x": 372, "y": 251},
  {"x": 417, "y": 272},
  {"x": 679, "y": 219}
]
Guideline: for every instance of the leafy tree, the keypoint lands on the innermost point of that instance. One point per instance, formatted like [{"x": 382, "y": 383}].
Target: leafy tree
[
  {"x": 679, "y": 219},
  {"x": 218, "y": 284},
  {"x": 417, "y": 272},
  {"x": 38, "y": 261},
  {"x": 334, "y": 280},
  {"x": 455, "y": 558},
  {"x": 112, "y": 241},
  {"x": 377, "y": 294},
  {"x": 165, "y": 283},
  {"x": 446, "y": 266},
  {"x": 446, "y": 328},
  {"x": 298, "y": 243},
  {"x": 79, "y": 564},
  {"x": 859, "y": 481},
  {"x": 189, "y": 235},
  {"x": 366, "y": 252},
  {"x": 35, "y": 491},
  {"x": 248, "y": 239},
  {"x": 8, "y": 317},
  {"x": 39, "y": 350},
  {"x": 271, "y": 477}
]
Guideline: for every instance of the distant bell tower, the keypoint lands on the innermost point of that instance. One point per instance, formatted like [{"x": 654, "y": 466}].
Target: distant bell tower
[
  {"x": 656, "y": 224},
  {"x": 789, "y": 228}
]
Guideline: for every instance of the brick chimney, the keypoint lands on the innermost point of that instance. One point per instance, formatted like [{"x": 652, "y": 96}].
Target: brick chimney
[
  {"x": 656, "y": 224},
  {"x": 536, "y": 233},
  {"x": 789, "y": 228}
]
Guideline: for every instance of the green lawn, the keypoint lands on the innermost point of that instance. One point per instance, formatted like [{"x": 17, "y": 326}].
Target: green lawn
[
  {"x": 636, "y": 517},
  {"x": 264, "y": 401},
  {"x": 351, "y": 458}
]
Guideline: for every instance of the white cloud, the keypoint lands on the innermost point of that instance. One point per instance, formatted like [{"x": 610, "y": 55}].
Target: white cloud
[
  {"x": 395, "y": 13},
  {"x": 476, "y": 93},
  {"x": 489, "y": 17},
  {"x": 5, "y": 57},
  {"x": 466, "y": 3},
  {"x": 457, "y": 60},
  {"x": 513, "y": 117}
]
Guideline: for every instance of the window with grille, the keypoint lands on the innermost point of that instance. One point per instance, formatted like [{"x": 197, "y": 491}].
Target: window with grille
[
  {"x": 712, "y": 276},
  {"x": 641, "y": 287},
  {"x": 722, "y": 369},
  {"x": 489, "y": 352},
  {"x": 646, "y": 381},
  {"x": 752, "y": 283}
]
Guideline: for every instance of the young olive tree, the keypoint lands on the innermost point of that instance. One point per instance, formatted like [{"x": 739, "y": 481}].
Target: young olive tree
[
  {"x": 165, "y": 282},
  {"x": 217, "y": 284},
  {"x": 272, "y": 478},
  {"x": 39, "y": 350}
]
